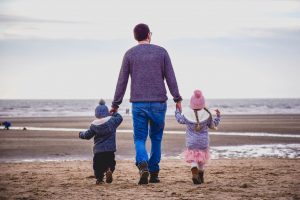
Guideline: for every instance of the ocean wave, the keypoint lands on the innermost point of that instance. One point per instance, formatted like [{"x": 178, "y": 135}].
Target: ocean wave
[{"x": 56, "y": 108}]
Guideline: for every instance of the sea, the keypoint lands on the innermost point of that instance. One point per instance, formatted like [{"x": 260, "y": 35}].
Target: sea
[{"x": 86, "y": 107}]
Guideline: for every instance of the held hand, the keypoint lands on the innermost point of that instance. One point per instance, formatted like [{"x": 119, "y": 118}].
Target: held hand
[
  {"x": 79, "y": 134},
  {"x": 218, "y": 112},
  {"x": 178, "y": 106},
  {"x": 113, "y": 110}
]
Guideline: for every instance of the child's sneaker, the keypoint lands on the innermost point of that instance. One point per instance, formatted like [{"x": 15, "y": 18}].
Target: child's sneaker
[
  {"x": 201, "y": 176},
  {"x": 109, "y": 177},
  {"x": 195, "y": 175},
  {"x": 99, "y": 181},
  {"x": 144, "y": 173}
]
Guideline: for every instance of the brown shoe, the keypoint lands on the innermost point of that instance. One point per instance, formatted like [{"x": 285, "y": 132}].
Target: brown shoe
[
  {"x": 195, "y": 175},
  {"x": 201, "y": 176},
  {"x": 154, "y": 177},
  {"x": 144, "y": 173},
  {"x": 109, "y": 177}
]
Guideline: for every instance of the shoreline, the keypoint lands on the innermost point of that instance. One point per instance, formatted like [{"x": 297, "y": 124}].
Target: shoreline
[
  {"x": 289, "y": 124},
  {"x": 270, "y": 151},
  {"x": 243, "y": 133},
  {"x": 37, "y": 145}
]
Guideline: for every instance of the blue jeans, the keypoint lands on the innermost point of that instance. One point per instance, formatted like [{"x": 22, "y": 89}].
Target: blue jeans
[{"x": 148, "y": 118}]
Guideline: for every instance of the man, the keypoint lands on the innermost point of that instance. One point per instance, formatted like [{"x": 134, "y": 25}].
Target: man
[{"x": 148, "y": 66}]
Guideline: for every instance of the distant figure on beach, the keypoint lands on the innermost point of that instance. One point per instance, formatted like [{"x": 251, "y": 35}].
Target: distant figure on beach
[
  {"x": 103, "y": 129},
  {"x": 197, "y": 138},
  {"x": 127, "y": 111},
  {"x": 148, "y": 66},
  {"x": 6, "y": 124}
]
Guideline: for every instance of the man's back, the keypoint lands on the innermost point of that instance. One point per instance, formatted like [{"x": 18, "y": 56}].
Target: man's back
[{"x": 148, "y": 65}]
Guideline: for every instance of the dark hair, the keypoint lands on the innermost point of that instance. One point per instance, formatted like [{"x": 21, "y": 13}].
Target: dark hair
[
  {"x": 197, "y": 127},
  {"x": 141, "y": 32}
]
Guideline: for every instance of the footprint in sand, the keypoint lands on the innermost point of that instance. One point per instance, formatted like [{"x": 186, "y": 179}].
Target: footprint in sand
[{"x": 89, "y": 177}]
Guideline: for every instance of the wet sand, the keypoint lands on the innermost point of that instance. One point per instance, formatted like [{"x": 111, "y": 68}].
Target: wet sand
[{"x": 17, "y": 144}]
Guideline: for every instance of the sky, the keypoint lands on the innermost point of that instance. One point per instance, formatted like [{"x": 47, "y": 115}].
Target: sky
[{"x": 71, "y": 49}]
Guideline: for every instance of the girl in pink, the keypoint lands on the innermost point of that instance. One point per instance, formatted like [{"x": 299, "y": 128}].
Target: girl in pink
[{"x": 197, "y": 140}]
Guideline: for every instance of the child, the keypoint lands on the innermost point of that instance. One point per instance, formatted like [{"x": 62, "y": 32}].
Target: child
[
  {"x": 197, "y": 139},
  {"x": 103, "y": 129}
]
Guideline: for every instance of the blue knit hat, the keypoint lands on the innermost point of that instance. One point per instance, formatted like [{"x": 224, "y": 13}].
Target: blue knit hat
[{"x": 101, "y": 110}]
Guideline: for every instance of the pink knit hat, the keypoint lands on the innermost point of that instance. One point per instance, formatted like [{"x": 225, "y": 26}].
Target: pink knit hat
[{"x": 197, "y": 101}]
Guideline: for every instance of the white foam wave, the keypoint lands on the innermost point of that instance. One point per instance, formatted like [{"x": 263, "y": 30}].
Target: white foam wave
[
  {"x": 255, "y": 151},
  {"x": 290, "y": 151}
]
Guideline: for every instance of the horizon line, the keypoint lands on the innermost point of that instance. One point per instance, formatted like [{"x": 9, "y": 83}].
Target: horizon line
[{"x": 232, "y": 98}]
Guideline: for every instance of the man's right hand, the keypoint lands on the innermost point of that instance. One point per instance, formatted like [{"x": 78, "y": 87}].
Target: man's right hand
[
  {"x": 178, "y": 106},
  {"x": 113, "y": 110}
]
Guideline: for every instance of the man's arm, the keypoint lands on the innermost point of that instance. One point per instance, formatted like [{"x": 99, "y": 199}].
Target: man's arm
[
  {"x": 171, "y": 79},
  {"x": 122, "y": 83}
]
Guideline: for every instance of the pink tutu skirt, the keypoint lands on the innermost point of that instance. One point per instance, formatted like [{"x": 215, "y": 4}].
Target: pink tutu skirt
[{"x": 196, "y": 155}]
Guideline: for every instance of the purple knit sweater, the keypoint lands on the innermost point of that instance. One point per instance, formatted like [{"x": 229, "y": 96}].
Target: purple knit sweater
[
  {"x": 197, "y": 139},
  {"x": 148, "y": 66}
]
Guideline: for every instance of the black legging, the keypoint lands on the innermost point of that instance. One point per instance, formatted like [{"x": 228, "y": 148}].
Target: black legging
[{"x": 102, "y": 161}]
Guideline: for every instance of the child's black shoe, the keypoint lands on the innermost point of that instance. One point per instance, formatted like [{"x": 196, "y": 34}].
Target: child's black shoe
[{"x": 99, "y": 181}]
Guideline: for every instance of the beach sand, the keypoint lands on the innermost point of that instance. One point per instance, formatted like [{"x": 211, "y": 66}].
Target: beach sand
[
  {"x": 243, "y": 178},
  {"x": 224, "y": 179}
]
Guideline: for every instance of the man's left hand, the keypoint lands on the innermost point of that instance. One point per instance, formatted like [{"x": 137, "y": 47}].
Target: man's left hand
[{"x": 178, "y": 106}]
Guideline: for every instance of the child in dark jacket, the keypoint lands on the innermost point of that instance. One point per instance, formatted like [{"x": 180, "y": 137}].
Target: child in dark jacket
[{"x": 103, "y": 129}]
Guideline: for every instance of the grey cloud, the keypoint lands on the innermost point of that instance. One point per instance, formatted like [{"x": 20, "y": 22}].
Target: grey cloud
[
  {"x": 21, "y": 19},
  {"x": 283, "y": 42},
  {"x": 291, "y": 33},
  {"x": 60, "y": 47}
]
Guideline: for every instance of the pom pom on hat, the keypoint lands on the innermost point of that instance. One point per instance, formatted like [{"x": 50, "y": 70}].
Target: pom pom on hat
[
  {"x": 102, "y": 102},
  {"x": 197, "y": 101},
  {"x": 101, "y": 110},
  {"x": 197, "y": 93}
]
